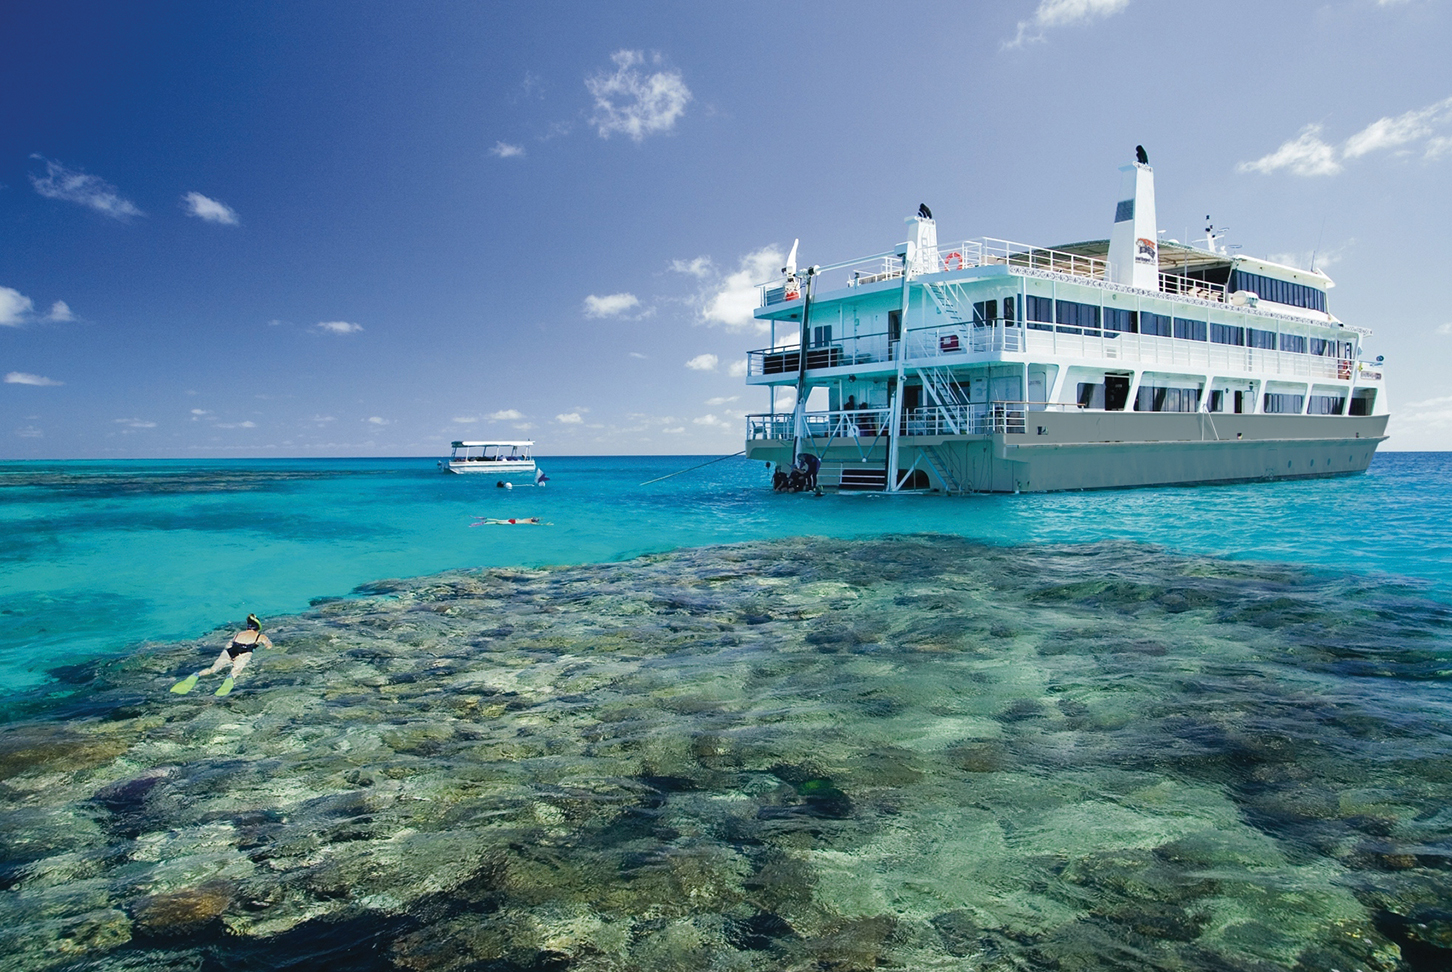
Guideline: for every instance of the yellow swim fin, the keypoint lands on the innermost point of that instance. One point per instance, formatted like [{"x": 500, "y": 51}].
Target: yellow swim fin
[
  {"x": 185, "y": 685},
  {"x": 225, "y": 687}
]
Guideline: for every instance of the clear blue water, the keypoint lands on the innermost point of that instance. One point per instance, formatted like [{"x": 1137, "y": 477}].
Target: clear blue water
[{"x": 96, "y": 557}]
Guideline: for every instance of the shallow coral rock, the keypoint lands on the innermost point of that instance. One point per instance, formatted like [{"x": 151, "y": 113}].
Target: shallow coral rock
[{"x": 183, "y": 912}]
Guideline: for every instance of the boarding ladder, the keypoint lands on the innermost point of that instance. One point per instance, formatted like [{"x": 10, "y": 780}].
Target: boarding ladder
[
  {"x": 945, "y": 394},
  {"x": 945, "y": 472}
]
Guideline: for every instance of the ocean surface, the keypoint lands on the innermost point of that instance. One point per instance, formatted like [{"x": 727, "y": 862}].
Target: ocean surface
[{"x": 695, "y": 724}]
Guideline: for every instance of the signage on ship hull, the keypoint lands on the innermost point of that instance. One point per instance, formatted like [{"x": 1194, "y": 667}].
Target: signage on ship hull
[{"x": 1144, "y": 251}]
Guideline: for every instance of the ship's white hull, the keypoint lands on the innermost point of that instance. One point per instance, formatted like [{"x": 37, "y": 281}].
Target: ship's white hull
[
  {"x": 1106, "y": 450},
  {"x": 492, "y": 467}
]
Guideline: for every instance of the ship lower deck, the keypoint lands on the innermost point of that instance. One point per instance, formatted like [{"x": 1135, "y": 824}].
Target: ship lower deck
[{"x": 1055, "y": 451}]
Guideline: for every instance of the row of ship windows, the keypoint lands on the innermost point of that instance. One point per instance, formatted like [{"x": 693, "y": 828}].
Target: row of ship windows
[
  {"x": 1045, "y": 312},
  {"x": 1159, "y": 398},
  {"x": 1279, "y": 291}
]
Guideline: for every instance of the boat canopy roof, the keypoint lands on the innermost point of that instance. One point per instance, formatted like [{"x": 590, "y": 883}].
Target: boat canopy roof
[
  {"x": 1180, "y": 258},
  {"x": 494, "y": 442}
]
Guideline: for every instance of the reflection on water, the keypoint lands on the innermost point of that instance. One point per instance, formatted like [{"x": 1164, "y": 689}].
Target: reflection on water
[{"x": 914, "y": 752}]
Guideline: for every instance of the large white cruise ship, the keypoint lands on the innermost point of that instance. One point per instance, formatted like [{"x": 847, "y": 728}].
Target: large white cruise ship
[{"x": 997, "y": 366}]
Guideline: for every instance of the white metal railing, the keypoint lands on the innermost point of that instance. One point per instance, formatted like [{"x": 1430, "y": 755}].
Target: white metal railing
[
  {"x": 1173, "y": 283},
  {"x": 982, "y": 418},
  {"x": 950, "y": 344}
]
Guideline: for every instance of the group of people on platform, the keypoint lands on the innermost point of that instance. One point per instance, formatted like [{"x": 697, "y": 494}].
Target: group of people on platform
[{"x": 801, "y": 478}]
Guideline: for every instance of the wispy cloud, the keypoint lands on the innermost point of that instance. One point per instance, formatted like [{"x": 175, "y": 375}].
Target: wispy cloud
[
  {"x": 1445, "y": 328},
  {"x": 29, "y": 432},
  {"x": 378, "y": 420},
  {"x": 210, "y": 210},
  {"x": 338, "y": 327},
  {"x": 700, "y": 267},
  {"x": 1063, "y": 13},
  {"x": 703, "y": 362},
  {"x": 506, "y": 415},
  {"x": 637, "y": 354},
  {"x": 60, "y": 312},
  {"x": 722, "y": 400},
  {"x": 1309, "y": 155},
  {"x": 73, "y": 185},
  {"x": 506, "y": 151},
  {"x": 25, "y": 378},
  {"x": 737, "y": 368},
  {"x": 199, "y": 413},
  {"x": 611, "y": 305},
  {"x": 570, "y": 418},
  {"x": 464, "y": 419},
  {"x": 733, "y": 301},
  {"x": 249, "y": 424},
  {"x": 633, "y": 103},
  {"x": 135, "y": 423},
  {"x": 14, "y": 306}
]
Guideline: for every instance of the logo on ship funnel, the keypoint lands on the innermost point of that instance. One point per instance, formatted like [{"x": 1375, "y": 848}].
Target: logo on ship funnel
[{"x": 1144, "y": 250}]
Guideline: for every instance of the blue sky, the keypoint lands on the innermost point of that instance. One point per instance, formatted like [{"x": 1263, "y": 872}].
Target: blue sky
[{"x": 369, "y": 228}]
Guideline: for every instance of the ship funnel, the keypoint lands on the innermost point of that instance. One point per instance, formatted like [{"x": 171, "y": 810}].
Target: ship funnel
[
  {"x": 791, "y": 265},
  {"x": 923, "y": 253},
  {"x": 1134, "y": 242}
]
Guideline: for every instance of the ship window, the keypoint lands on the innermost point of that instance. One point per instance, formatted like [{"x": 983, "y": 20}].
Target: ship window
[
  {"x": 1293, "y": 342},
  {"x": 1361, "y": 401},
  {"x": 1091, "y": 395},
  {"x": 1124, "y": 211},
  {"x": 1279, "y": 291},
  {"x": 1040, "y": 312},
  {"x": 1154, "y": 324},
  {"x": 1008, "y": 310},
  {"x": 1116, "y": 319},
  {"x": 1217, "y": 401},
  {"x": 1326, "y": 404},
  {"x": 1154, "y": 398},
  {"x": 822, "y": 336},
  {"x": 1072, "y": 314},
  {"x": 1324, "y": 347},
  {"x": 1283, "y": 404},
  {"x": 1189, "y": 330},
  {"x": 1227, "y": 334},
  {"x": 1260, "y": 339},
  {"x": 985, "y": 312}
]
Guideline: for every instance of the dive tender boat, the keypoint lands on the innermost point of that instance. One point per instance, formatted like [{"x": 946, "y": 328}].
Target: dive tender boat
[
  {"x": 997, "y": 366},
  {"x": 494, "y": 458}
]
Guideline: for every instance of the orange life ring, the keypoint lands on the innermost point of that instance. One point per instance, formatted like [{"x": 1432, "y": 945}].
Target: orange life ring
[{"x": 955, "y": 255}]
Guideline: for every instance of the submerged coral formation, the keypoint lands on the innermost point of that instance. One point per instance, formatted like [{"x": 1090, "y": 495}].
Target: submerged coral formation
[{"x": 909, "y": 752}]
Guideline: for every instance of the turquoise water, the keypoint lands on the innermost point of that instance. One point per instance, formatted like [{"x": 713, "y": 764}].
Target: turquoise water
[
  {"x": 697, "y": 725},
  {"x": 99, "y": 556}
]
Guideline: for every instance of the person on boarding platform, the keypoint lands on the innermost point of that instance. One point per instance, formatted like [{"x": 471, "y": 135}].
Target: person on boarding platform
[{"x": 809, "y": 465}]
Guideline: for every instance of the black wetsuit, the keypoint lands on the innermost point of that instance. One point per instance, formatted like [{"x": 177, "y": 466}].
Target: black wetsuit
[{"x": 241, "y": 648}]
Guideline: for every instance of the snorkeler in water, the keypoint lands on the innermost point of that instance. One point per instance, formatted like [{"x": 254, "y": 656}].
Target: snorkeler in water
[
  {"x": 513, "y": 521},
  {"x": 236, "y": 656}
]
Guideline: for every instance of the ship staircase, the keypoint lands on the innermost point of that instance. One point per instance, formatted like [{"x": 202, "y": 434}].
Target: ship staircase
[
  {"x": 952, "y": 300},
  {"x": 939, "y": 464}
]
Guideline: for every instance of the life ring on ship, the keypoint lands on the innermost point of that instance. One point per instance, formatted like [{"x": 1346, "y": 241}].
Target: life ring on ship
[{"x": 955, "y": 255}]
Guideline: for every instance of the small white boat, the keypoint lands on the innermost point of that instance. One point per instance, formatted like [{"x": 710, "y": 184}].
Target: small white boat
[{"x": 511, "y": 458}]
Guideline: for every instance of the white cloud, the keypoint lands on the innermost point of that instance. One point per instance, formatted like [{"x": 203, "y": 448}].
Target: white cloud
[
  {"x": 1385, "y": 133},
  {"x": 722, "y": 400},
  {"x": 735, "y": 300},
  {"x": 506, "y": 415},
  {"x": 249, "y": 424},
  {"x": 737, "y": 369},
  {"x": 132, "y": 423},
  {"x": 699, "y": 268},
  {"x": 13, "y": 306},
  {"x": 633, "y": 103},
  {"x": 611, "y": 305},
  {"x": 199, "y": 413},
  {"x": 1308, "y": 155},
  {"x": 703, "y": 362},
  {"x": 377, "y": 420},
  {"x": 338, "y": 327},
  {"x": 465, "y": 419},
  {"x": 1445, "y": 328},
  {"x": 72, "y": 185},
  {"x": 569, "y": 418},
  {"x": 1304, "y": 155},
  {"x": 709, "y": 420},
  {"x": 1063, "y": 13},
  {"x": 506, "y": 151},
  {"x": 676, "y": 430},
  {"x": 637, "y": 354},
  {"x": 60, "y": 311},
  {"x": 210, "y": 210},
  {"x": 24, "y": 378}
]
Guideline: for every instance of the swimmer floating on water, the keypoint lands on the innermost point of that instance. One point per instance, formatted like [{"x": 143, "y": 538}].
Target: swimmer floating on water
[
  {"x": 237, "y": 655},
  {"x": 520, "y": 521}
]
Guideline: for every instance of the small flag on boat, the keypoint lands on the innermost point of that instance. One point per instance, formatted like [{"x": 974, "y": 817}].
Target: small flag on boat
[{"x": 540, "y": 478}]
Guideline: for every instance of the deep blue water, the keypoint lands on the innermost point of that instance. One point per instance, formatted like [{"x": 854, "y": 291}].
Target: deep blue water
[{"x": 99, "y": 556}]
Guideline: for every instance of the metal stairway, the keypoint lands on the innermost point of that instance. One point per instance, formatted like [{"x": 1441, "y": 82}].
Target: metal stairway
[
  {"x": 952, "y": 300},
  {"x": 944, "y": 471}
]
